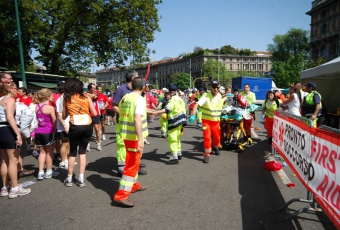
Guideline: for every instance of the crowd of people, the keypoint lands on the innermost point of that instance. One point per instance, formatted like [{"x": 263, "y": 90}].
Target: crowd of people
[
  {"x": 67, "y": 119},
  {"x": 301, "y": 100}
]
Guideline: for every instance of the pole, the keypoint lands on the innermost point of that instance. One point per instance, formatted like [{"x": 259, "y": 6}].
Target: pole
[
  {"x": 218, "y": 68},
  {"x": 190, "y": 70},
  {"x": 20, "y": 45}
]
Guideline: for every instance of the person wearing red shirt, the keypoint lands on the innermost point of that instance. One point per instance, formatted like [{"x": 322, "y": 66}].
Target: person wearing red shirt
[
  {"x": 23, "y": 96},
  {"x": 109, "y": 112},
  {"x": 93, "y": 94},
  {"x": 102, "y": 104}
]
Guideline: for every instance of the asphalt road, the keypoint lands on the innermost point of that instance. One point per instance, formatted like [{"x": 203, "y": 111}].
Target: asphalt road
[{"x": 232, "y": 191}]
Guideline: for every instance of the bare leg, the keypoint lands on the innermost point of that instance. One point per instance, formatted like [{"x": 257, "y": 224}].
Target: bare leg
[
  {"x": 4, "y": 168},
  {"x": 13, "y": 156},
  {"x": 64, "y": 150}
]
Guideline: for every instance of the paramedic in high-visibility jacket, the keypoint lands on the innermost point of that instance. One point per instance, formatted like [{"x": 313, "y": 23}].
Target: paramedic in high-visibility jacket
[
  {"x": 133, "y": 129},
  {"x": 176, "y": 116},
  {"x": 211, "y": 105}
]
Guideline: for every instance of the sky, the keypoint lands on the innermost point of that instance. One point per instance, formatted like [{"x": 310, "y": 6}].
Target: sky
[{"x": 209, "y": 24}]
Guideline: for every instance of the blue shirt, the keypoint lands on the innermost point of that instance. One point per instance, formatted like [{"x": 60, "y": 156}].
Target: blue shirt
[{"x": 120, "y": 93}]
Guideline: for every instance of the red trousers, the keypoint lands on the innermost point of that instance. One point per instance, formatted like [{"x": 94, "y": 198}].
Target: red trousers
[
  {"x": 129, "y": 182},
  {"x": 211, "y": 130},
  {"x": 268, "y": 125},
  {"x": 247, "y": 126}
]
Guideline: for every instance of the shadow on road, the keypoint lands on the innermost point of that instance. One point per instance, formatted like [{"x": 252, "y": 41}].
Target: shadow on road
[
  {"x": 108, "y": 185},
  {"x": 260, "y": 193}
]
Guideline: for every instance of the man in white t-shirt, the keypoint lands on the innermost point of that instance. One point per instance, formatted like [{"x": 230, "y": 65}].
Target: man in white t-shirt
[{"x": 62, "y": 130}]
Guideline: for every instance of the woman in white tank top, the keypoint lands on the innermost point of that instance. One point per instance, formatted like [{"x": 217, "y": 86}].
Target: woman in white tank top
[{"x": 294, "y": 101}]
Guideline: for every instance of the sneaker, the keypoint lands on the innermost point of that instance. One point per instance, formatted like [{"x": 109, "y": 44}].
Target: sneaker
[
  {"x": 99, "y": 147},
  {"x": 80, "y": 184},
  {"x": 63, "y": 165},
  {"x": 103, "y": 137},
  {"x": 18, "y": 192},
  {"x": 4, "y": 192},
  {"x": 67, "y": 183},
  {"x": 146, "y": 142},
  {"x": 53, "y": 174},
  {"x": 88, "y": 149},
  {"x": 40, "y": 176},
  {"x": 35, "y": 153},
  {"x": 206, "y": 160}
]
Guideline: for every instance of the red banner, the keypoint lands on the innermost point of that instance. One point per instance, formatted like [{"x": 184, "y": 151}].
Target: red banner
[
  {"x": 147, "y": 73},
  {"x": 314, "y": 156}
]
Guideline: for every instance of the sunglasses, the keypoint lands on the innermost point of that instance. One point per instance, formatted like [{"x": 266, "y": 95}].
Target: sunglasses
[{"x": 217, "y": 87}]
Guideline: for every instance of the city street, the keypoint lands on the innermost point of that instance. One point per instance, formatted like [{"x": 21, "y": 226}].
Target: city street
[{"x": 233, "y": 191}]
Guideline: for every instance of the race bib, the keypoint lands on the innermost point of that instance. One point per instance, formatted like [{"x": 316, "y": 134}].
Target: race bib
[
  {"x": 101, "y": 104},
  {"x": 81, "y": 119}
]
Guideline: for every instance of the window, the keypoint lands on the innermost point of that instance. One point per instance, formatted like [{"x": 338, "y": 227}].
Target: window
[
  {"x": 266, "y": 66},
  {"x": 237, "y": 66},
  {"x": 231, "y": 66},
  {"x": 252, "y": 66},
  {"x": 323, "y": 52},
  {"x": 324, "y": 14},
  {"x": 324, "y": 28},
  {"x": 260, "y": 67},
  {"x": 245, "y": 66}
]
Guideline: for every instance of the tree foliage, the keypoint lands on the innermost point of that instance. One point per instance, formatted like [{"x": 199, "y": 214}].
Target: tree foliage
[
  {"x": 181, "y": 80},
  {"x": 289, "y": 53},
  {"x": 71, "y": 35},
  {"x": 210, "y": 70}
]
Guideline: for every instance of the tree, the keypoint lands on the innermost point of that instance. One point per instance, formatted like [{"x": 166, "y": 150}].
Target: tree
[
  {"x": 181, "y": 80},
  {"x": 72, "y": 35},
  {"x": 210, "y": 69},
  {"x": 228, "y": 50},
  {"x": 197, "y": 49},
  {"x": 289, "y": 53}
]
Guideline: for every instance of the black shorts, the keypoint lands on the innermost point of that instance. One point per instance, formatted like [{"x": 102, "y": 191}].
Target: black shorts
[
  {"x": 102, "y": 117},
  {"x": 79, "y": 135},
  {"x": 110, "y": 113},
  {"x": 63, "y": 136},
  {"x": 7, "y": 138},
  {"x": 42, "y": 139},
  {"x": 95, "y": 120}
]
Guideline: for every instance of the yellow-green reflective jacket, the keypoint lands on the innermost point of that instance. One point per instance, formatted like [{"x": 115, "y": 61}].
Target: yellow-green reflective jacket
[
  {"x": 127, "y": 107},
  {"x": 212, "y": 108}
]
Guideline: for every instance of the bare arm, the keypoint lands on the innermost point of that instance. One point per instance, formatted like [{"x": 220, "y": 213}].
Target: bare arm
[
  {"x": 194, "y": 110},
  {"x": 62, "y": 121},
  {"x": 10, "y": 107},
  {"x": 65, "y": 110},
  {"x": 138, "y": 127},
  {"x": 92, "y": 109}
]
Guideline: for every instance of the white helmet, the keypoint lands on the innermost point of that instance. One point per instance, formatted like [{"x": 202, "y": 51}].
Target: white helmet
[{"x": 165, "y": 90}]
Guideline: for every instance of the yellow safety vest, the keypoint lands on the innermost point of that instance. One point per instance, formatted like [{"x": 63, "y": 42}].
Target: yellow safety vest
[
  {"x": 212, "y": 108},
  {"x": 177, "y": 115},
  {"x": 127, "y": 108},
  {"x": 271, "y": 109}
]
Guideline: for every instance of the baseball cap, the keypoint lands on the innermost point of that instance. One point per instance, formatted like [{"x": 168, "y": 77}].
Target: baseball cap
[
  {"x": 201, "y": 90},
  {"x": 172, "y": 87},
  {"x": 215, "y": 83},
  {"x": 311, "y": 85},
  {"x": 61, "y": 82},
  {"x": 146, "y": 83}
]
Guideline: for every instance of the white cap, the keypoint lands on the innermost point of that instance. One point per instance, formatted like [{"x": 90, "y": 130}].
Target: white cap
[{"x": 165, "y": 90}]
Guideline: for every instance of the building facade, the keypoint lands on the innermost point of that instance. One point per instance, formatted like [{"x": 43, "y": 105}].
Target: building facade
[
  {"x": 161, "y": 71},
  {"x": 325, "y": 29}
]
